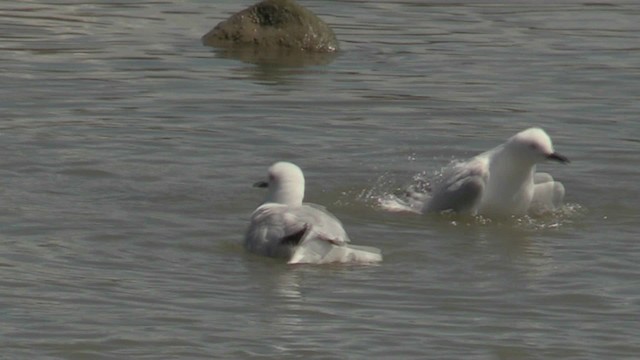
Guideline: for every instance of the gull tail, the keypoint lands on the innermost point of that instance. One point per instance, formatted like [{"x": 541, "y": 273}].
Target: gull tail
[
  {"x": 547, "y": 196},
  {"x": 320, "y": 251}
]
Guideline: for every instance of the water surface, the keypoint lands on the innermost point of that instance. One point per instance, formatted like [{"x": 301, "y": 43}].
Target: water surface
[{"x": 129, "y": 150}]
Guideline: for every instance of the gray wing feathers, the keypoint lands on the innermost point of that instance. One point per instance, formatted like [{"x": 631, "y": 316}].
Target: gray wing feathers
[
  {"x": 275, "y": 229},
  {"x": 460, "y": 189}
]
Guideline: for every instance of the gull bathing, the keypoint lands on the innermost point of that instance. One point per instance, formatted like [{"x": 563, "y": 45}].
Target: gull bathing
[
  {"x": 502, "y": 181},
  {"x": 285, "y": 227}
]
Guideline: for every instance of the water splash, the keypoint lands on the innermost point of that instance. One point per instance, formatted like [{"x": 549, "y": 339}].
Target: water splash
[{"x": 387, "y": 194}]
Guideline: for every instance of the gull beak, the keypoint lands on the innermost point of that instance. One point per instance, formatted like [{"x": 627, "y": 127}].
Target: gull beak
[
  {"x": 557, "y": 157},
  {"x": 261, "y": 184}
]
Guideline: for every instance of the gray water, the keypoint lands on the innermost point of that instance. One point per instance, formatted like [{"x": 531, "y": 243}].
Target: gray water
[{"x": 128, "y": 151}]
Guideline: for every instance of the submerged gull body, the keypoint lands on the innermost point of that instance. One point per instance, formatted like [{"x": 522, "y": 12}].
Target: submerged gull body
[
  {"x": 285, "y": 227},
  {"x": 502, "y": 181}
]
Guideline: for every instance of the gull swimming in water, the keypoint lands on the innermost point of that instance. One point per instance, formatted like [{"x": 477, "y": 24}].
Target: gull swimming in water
[
  {"x": 285, "y": 227},
  {"x": 502, "y": 181}
]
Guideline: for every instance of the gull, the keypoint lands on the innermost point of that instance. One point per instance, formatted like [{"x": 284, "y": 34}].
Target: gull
[
  {"x": 285, "y": 227},
  {"x": 502, "y": 181}
]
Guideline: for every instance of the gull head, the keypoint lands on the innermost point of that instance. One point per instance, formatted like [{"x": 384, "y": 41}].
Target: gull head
[
  {"x": 534, "y": 146},
  {"x": 285, "y": 184}
]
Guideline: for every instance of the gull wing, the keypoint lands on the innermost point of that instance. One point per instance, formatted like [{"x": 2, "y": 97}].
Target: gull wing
[
  {"x": 325, "y": 225},
  {"x": 273, "y": 230},
  {"x": 276, "y": 228},
  {"x": 461, "y": 187}
]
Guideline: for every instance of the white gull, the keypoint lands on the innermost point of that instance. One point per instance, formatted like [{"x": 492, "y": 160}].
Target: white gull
[
  {"x": 502, "y": 181},
  {"x": 285, "y": 227}
]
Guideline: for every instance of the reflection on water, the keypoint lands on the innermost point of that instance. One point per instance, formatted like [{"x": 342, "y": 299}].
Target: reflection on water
[
  {"x": 273, "y": 67},
  {"x": 275, "y": 57}
]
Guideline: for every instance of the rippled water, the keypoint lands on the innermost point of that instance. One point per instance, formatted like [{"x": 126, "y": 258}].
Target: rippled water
[{"x": 128, "y": 152}]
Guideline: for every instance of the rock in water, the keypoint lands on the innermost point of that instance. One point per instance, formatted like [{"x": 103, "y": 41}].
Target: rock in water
[{"x": 274, "y": 24}]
